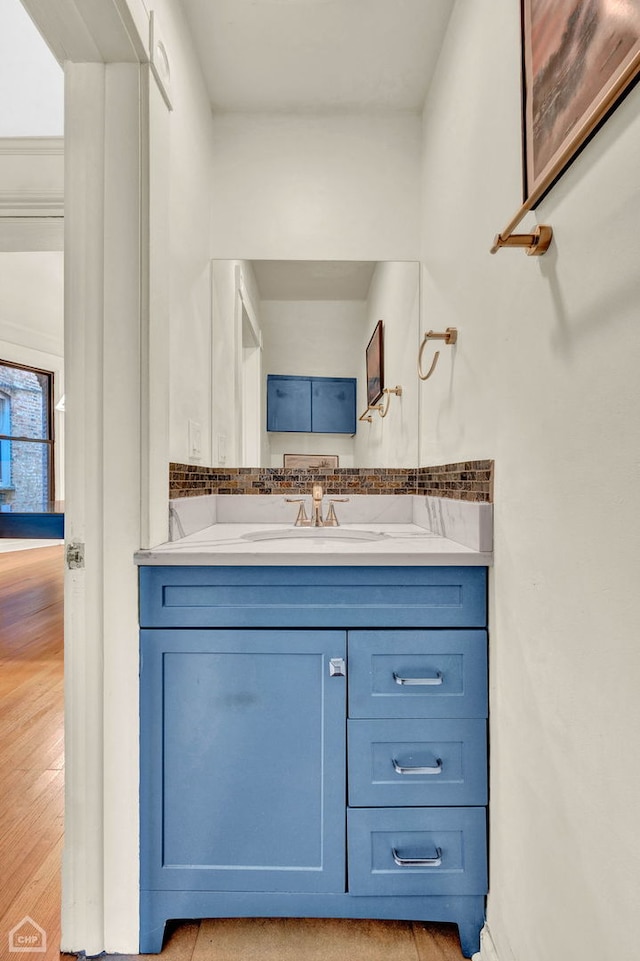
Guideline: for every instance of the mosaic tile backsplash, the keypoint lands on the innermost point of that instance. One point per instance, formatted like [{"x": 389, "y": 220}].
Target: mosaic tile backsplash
[{"x": 467, "y": 481}]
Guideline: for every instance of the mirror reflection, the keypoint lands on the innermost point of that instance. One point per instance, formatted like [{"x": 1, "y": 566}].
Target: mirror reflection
[{"x": 290, "y": 340}]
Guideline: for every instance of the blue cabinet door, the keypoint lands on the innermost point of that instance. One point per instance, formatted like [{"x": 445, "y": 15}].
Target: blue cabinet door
[
  {"x": 242, "y": 748},
  {"x": 311, "y": 404},
  {"x": 288, "y": 403},
  {"x": 333, "y": 405}
]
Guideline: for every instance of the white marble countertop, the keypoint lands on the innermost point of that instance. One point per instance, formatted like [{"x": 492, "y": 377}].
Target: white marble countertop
[{"x": 231, "y": 544}]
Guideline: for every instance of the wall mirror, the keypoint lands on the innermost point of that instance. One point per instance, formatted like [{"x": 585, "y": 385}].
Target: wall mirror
[{"x": 312, "y": 319}]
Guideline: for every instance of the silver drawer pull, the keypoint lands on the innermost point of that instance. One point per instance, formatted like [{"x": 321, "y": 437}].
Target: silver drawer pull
[
  {"x": 418, "y": 862},
  {"x": 436, "y": 679},
  {"x": 436, "y": 769}
]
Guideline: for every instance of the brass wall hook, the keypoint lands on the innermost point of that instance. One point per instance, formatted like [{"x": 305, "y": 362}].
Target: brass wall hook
[
  {"x": 535, "y": 244},
  {"x": 450, "y": 336},
  {"x": 383, "y": 409}
]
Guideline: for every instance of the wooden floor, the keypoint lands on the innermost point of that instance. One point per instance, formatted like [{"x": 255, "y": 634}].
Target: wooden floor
[
  {"x": 31, "y": 744},
  {"x": 300, "y": 939},
  {"x": 31, "y": 805}
]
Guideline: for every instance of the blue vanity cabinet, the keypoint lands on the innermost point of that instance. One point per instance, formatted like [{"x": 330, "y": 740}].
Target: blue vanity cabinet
[
  {"x": 313, "y": 744},
  {"x": 311, "y": 404}
]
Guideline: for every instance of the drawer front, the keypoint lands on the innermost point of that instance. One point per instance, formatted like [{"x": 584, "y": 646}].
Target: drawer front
[
  {"x": 417, "y": 762},
  {"x": 312, "y": 596},
  {"x": 417, "y": 851},
  {"x": 407, "y": 674}
]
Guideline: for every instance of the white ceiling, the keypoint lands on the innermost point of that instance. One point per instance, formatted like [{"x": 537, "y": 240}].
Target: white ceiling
[
  {"x": 318, "y": 55},
  {"x": 313, "y": 279}
]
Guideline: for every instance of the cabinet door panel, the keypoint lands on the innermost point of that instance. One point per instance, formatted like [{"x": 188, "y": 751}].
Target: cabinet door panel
[
  {"x": 250, "y": 763},
  {"x": 333, "y": 406},
  {"x": 288, "y": 403}
]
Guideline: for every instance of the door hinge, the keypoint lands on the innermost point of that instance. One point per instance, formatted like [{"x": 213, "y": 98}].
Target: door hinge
[{"x": 74, "y": 555}]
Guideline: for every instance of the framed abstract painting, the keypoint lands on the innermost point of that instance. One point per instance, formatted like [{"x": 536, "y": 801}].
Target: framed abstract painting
[
  {"x": 580, "y": 57},
  {"x": 375, "y": 365}
]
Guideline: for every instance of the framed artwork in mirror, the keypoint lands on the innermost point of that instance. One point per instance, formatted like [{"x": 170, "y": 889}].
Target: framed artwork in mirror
[
  {"x": 375, "y": 365},
  {"x": 310, "y": 461},
  {"x": 579, "y": 58}
]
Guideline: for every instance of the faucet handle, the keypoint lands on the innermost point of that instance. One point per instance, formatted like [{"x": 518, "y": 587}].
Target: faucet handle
[
  {"x": 301, "y": 520},
  {"x": 332, "y": 519}
]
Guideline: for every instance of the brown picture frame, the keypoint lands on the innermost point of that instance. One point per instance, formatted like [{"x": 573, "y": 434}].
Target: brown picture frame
[
  {"x": 374, "y": 358},
  {"x": 579, "y": 58},
  {"x": 310, "y": 461}
]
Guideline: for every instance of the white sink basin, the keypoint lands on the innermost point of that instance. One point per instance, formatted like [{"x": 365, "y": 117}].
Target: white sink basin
[{"x": 314, "y": 534}]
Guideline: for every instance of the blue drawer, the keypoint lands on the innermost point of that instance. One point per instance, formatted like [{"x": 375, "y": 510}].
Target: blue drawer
[
  {"x": 417, "y": 851},
  {"x": 400, "y": 763},
  {"x": 418, "y": 674},
  {"x": 312, "y": 596}
]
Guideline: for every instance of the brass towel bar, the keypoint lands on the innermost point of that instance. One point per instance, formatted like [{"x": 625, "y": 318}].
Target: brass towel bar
[
  {"x": 506, "y": 238},
  {"x": 536, "y": 243},
  {"x": 450, "y": 336}
]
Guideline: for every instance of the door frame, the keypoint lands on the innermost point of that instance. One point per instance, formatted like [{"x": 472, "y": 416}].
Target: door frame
[
  {"x": 248, "y": 375},
  {"x": 116, "y": 423}
]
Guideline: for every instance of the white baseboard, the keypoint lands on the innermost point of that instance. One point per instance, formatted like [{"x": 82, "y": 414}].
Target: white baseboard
[{"x": 487, "y": 950}]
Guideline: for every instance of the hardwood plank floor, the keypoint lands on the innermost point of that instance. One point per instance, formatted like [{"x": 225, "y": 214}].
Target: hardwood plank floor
[
  {"x": 31, "y": 743},
  {"x": 31, "y": 809}
]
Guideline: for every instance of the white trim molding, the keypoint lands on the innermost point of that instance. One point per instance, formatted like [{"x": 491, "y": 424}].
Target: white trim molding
[
  {"x": 93, "y": 31},
  {"x": 487, "y": 950},
  {"x": 32, "y": 202},
  {"x": 48, "y": 146}
]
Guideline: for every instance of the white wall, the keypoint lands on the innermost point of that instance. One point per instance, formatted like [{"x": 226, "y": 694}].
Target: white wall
[
  {"x": 190, "y": 185},
  {"x": 545, "y": 380},
  {"x": 228, "y": 279},
  {"x": 317, "y": 338},
  {"x": 394, "y": 298},
  {"x": 32, "y": 81},
  {"x": 316, "y": 187},
  {"x": 31, "y": 325}
]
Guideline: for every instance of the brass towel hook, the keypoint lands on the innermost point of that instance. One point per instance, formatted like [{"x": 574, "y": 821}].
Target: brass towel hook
[
  {"x": 450, "y": 336},
  {"x": 383, "y": 409}
]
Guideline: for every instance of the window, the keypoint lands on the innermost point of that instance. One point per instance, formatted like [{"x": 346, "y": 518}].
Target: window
[
  {"x": 26, "y": 438},
  {"x": 5, "y": 445}
]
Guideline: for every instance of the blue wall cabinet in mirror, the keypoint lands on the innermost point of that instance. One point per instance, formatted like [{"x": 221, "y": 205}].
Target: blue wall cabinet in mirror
[
  {"x": 333, "y": 405},
  {"x": 311, "y": 404},
  {"x": 288, "y": 403}
]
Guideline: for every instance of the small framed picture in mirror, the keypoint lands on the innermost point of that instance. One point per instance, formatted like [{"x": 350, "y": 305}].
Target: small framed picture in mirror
[
  {"x": 375, "y": 365},
  {"x": 310, "y": 461}
]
